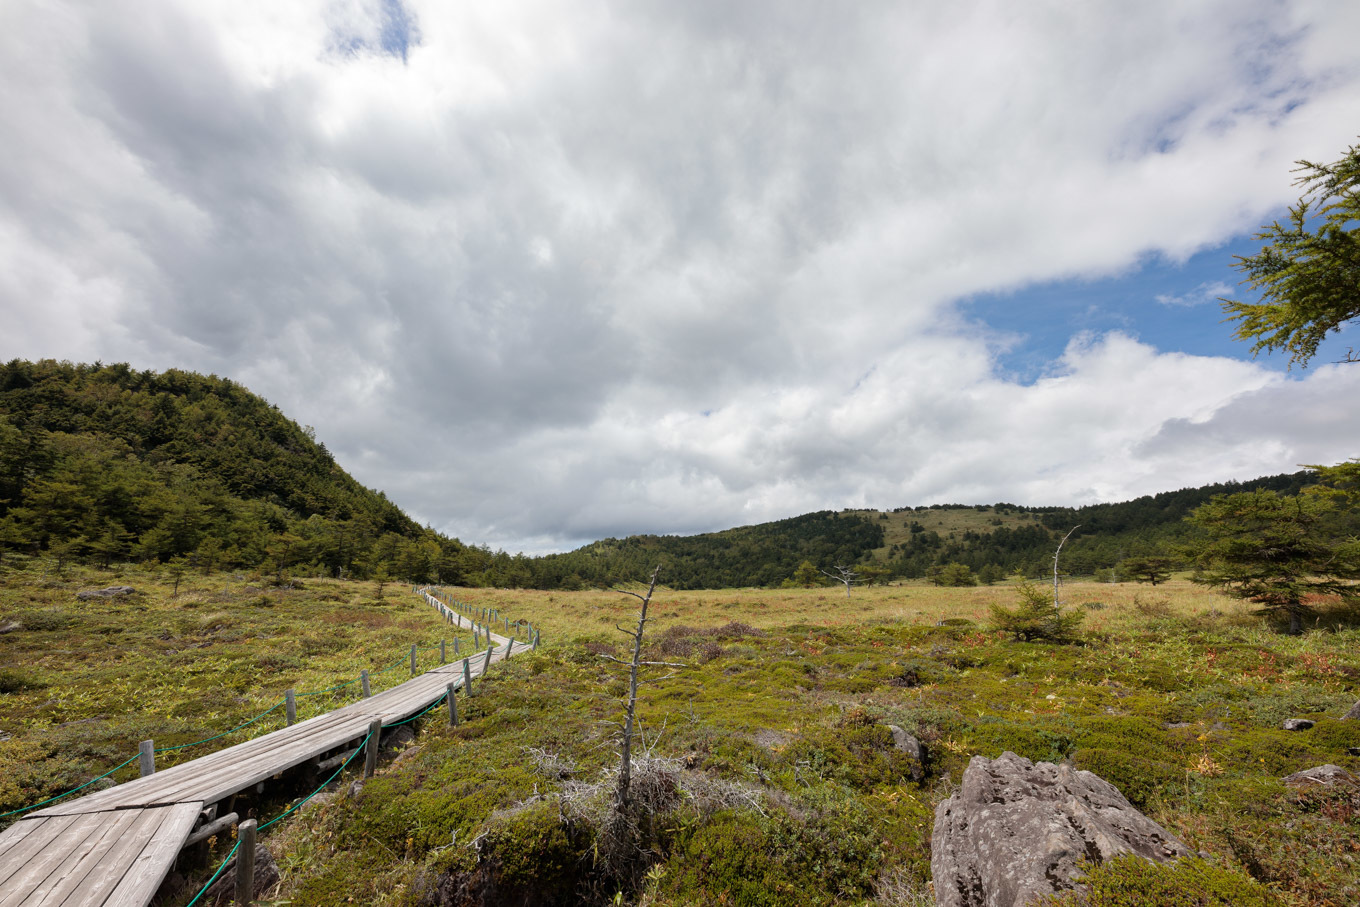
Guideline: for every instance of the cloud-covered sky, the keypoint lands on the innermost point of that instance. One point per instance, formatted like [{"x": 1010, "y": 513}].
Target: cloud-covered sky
[{"x": 546, "y": 272}]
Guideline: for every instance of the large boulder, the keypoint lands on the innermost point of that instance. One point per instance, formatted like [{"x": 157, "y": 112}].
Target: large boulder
[
  {"x": 1015, "y": 830},
  {"x": 1323, "y": 775}
]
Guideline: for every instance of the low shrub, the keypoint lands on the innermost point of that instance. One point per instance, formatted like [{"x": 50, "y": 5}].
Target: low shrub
[{"x": 1131, "y": 881}]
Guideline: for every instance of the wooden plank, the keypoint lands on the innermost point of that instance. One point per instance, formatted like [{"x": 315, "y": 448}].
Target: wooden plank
[
  {"x": 10, "y": 837},
  {"x": 149, "y": 869},
  {"x": 258, "y": 759},
  {"x": 31, "y": 847},
  {"x": 68, "y": 879},
  {"x": 106, "y": 874}
]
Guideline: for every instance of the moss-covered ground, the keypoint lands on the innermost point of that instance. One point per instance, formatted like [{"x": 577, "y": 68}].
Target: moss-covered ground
[{"x": 1174, "y": 695}]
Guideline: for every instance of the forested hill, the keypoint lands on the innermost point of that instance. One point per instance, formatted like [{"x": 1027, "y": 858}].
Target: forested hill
[
  {"x": 762, "y": 555},
  {"x": 103, "y": 462},
  {"x": 999, "y": 539}
]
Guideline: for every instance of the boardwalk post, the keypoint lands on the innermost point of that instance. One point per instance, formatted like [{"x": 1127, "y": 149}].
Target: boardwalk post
[
  {"x": 455, "y": 645},
  {"x": 453, "y": 707},
  {"x": 290, "y": 706},
  {"x": 442, "y": 659},
  {"x": 413, "y": 660},
  {"x": 146, "y": 757},
  {"x": 363, "y": 683},
  {"x": 510, "y": 644},
  {"x": 536, "y": 638},
  {"x": 245, "y": 863},
  {"x": 467, "y": 678},
  {"x": 371, "y": 752},
  {"x": 486, "y": 665}
]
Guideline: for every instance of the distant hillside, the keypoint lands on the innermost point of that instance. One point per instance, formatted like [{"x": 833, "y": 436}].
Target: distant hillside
[
  {"x": 106, "y": 463},
  {"x": 1010, "y": 538},
  {"x": 761, "y": 555}
]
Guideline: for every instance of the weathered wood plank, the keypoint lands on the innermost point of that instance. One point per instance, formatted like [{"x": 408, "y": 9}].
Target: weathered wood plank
[
  {"x": 148, "y": 870},
  {"x": 37, "y": 842},
  {"x": 68, "y": 879}
]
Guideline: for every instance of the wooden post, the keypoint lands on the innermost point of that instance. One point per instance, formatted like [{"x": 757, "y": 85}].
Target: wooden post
[
  {"x": 146, "y": 757},
  {"x": 509, "y": 645},
  {"x": 413, "y": 660},
  {"x": 363, "y": 683},
  {"x": 486, "y": 665},
  {"x": 245, "y": 863},
  {"x": 455, "y": 646},
  {"x": 537, "y": 636},
  {"x": 371, "y": 753},
  {"x": 453, "y": 707},
  {"x": 290, "y": 706},
  {"x": 467, "y": 678},
  {"x": 442, "y": 659}
]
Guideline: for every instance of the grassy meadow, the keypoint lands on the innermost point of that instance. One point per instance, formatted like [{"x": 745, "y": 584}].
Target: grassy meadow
[
  {"x": 776, "y": 778},
  {"x": 82, "y": 682}
]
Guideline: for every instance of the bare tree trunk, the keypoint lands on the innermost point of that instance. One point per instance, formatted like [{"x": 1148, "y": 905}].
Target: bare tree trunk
[
  {"x": 1055, "y": 564},
  {"x": 626, "y": 738}
]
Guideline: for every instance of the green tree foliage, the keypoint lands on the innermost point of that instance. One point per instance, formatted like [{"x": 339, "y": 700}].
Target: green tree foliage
[
  {"x": 1037, "y": 618},
  {"x": 1152, "y": 569},
  {"x": 806, "y": 576},
  {"x": 1308, "y": 272},
  {"x": 954, "y": 575},
  {"x": 1277, "y": 551},
  {"x": 104, "y": 463}
]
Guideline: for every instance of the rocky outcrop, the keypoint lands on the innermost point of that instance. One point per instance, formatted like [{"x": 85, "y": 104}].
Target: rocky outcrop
[
  {"x": 906, "y": 743},
  {"x": 110, "y": 592},
  {"x": 1297, "y": 724},
  {"x": 1323, "y": 775},
  {"x": 1015, "y": 830},
  {"x": 1353, "y": 714}
]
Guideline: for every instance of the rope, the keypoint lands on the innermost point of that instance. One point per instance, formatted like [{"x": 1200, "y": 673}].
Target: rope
[
  {"x": 24, "y": 809},
  {"x": 323, "y": 786},
  {"x": 202, "y": 891},
  {"x": 171, "y": 749},
  {"x": 281, "y": 815}
]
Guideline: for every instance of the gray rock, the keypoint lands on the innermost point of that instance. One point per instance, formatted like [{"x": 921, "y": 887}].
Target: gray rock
[
  {"x": 906, "y": 743},
  {"x": 1353, "y": 714},
  {"x": 110, "y": 592},
  {"x": 1324, "y": 775},
  {"x": 1015, "y": 831},
  {"x": 1297, "y": 724}
]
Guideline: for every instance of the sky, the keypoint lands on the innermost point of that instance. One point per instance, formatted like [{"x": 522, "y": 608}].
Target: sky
[{"x": 548, "y": 272}]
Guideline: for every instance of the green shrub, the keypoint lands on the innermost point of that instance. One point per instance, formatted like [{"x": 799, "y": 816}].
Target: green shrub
[
  {"x": 1036, "y": 617},
  {"x": 1131, "y": 881},
  {"x": 1137, "y": 778}
]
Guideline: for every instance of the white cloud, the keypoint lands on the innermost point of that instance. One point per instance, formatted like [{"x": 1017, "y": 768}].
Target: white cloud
[
  {"x": 1204, "y": 294},
  {"x": 664, "y": 267}
]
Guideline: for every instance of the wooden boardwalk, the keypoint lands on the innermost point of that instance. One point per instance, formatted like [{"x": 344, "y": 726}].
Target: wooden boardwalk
[{"x": 113, "y": 848}]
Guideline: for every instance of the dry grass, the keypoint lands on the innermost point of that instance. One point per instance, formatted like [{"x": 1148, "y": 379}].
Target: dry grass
[{"x": 563, "y": 615}]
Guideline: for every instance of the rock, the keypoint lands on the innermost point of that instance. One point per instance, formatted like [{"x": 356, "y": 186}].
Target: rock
[
  {"x": 266, "y": 877},
  {"x": 1353, "y": 714},
  {"x": 398, "y": 740},
  {"x": 1297, "y": 724},
  {"x": 1015, "y": 830},
  {"x": 9, "y": 626},
  {"x": 1353, "y": 750},
  {"x": 110, "y": 592},
  {"x": 409, "y": 753},
  {"x": 1324, "y": 775},
  {"x": 906, "y": 743}
]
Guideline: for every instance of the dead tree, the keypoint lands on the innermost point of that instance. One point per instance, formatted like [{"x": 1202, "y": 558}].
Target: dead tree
[
  {"x": 620, "y": 845},
  {"x": 1056, "y": 604},
  {"x": 843, "y": 575}
]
